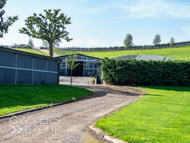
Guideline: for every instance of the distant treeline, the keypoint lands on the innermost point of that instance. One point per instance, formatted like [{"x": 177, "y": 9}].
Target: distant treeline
[{"x": 117, "y": 48}]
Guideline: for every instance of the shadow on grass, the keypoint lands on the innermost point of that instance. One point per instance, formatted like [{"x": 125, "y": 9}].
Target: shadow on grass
[{"x": 19, "y": 97}]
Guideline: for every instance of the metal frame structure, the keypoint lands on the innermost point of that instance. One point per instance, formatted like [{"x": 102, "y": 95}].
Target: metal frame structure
[
  {"x": 83, "y": 58},
  {"x": 27, "y": 68}
]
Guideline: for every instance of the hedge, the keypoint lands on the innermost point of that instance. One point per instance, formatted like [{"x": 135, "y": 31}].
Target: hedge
[{"x": 143, "y": 73}]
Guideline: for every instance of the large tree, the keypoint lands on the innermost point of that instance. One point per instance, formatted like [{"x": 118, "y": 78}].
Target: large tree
[
  {"x": 46, "y": 44},
  {"x": 49, "y": 27},
  {"x": 5, "y": 23},
  {"x": 128, "y": 41},
  {"x": 157, "y": 40}
]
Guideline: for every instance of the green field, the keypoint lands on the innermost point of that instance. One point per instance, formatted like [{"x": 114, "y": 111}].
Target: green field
[
  {"x": 30, "y": 51},
  {"x": 162, "y": 115},
  {"x": 15, "y": 98},
  {"x": 47, "y": 53},
  {"x": 182, "y": 53}
]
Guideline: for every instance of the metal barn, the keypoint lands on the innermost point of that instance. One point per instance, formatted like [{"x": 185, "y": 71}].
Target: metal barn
[
  {"x": 17, "y": 67},
  {"x": 87, "y": 64}
]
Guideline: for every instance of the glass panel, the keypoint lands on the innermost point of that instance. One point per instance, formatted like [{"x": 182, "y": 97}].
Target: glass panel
[
  {"x": 63, "y": 65},
  {"x": 79, "y": 57},
  {"x": 85, "y": 65},
  {"x": 84, "y": 58},
  {"x": 91, "y": 65}
]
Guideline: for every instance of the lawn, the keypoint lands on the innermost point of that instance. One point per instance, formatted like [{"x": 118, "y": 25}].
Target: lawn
[
  {"x": 162, "y": 115},
  {"x": 47, "y": 53},
  {"x": 20, "y": 97},
  {"x": 30, "y": 51},
  {"x": 182, "y": 53}
]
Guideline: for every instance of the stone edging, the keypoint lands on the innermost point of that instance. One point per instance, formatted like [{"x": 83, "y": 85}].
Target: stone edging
[
  {"x": 44, "y": 107},
  {"x": 103, "y": 135}
]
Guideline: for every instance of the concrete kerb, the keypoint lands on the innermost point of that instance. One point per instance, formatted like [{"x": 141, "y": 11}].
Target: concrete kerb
[
  {"x": 44, "y": 107},
  {"x": 104, "y": 135}
]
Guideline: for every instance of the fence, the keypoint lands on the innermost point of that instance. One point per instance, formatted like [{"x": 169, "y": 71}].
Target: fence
[{"x": 98, "y": 49}]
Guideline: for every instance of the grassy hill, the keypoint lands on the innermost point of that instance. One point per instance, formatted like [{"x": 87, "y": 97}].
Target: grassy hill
[
  {"x": 34, "y": 51},
  {"x": 181, "y": 53}
]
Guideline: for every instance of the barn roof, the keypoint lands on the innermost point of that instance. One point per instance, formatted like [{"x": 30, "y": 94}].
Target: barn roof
[
  {"x": 60, "y": 57},
  {"x": 27, "y": 53},
  {"x": 144, "y": 57}
]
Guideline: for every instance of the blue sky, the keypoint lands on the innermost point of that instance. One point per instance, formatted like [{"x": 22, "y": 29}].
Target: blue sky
[{"x": 104, "y": 23}]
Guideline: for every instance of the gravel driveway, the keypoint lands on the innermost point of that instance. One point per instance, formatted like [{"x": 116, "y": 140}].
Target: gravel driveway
[{"x": 67, "y": 123}]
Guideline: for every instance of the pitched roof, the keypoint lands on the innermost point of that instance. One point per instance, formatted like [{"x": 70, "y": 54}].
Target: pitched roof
[
  {"x": 27, "y": 53},
  {"x": 144, "y": 57},
  {"x": 60, "y": 57}
]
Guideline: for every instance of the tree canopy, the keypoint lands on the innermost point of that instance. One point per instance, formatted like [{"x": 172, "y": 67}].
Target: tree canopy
[
  {"x": 172, "y": 41},
  {"x": 157, "y": 40},
  {"x": 49, "y": 27},
  {"x": 71, "y": 63},
  {"x": 5, "y": 23},
  {"x": 128, "y": 41}
]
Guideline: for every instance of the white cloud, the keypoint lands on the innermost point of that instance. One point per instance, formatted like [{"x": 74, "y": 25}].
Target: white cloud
[{"x": 147, "y": 9}]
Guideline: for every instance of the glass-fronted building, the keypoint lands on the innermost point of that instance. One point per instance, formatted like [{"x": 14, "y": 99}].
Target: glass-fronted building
[{"x": 86, "y": 65}]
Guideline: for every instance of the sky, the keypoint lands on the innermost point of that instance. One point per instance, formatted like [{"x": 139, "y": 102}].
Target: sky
[{"x": 105, "y": 23}]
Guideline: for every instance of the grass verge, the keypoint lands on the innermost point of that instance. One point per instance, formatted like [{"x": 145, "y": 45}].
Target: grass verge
[
  {"x": 15, "y": 98},
  {"x": 30, "y": 51},
  {"x": 162, "y": 115},
  {"x": 181, "y": 53}
]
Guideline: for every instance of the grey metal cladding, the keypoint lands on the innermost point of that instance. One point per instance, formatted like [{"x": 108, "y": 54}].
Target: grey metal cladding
[
  {"x": 39, "y": 78},
  {"x": 51, "y": 65},
  {"x": 7, "y": 76},
  {"x": 24, "y": 61},
  {"x": 39, "y": 63},
  {"x": 7, "y": 59},
  {"x": 51, "y": 78},
  {"x": 24, "y": 68},
  {"x": 24, "y": 77}
]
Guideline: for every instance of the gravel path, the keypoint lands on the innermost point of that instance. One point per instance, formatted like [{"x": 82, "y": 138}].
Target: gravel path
[{"x": 67, "y": 123}]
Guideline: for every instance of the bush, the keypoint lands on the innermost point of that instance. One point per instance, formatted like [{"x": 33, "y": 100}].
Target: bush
[{"x": 143, "y": 73}]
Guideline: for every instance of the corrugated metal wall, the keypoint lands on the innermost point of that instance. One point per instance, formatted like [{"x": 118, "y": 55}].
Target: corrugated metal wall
[{"x": 17, "y": 68}]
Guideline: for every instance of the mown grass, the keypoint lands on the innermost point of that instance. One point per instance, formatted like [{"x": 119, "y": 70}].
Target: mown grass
[
  {"x": 181, "y": 53},
  {"x": 15, "y": 98},
  {"x": 47, "y": 53},
  {"x": 162, "y": 115},
  {"x": 30, "y": 51}
]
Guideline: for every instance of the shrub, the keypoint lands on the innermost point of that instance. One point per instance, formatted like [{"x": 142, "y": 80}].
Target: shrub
[
  {"x": 90, "y": 73},
  {"x": 143, "y": 73}
]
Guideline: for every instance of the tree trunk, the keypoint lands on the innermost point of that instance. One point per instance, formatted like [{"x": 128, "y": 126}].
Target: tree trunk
[
  {"x": 50, "y": 49},
  {"x": 71, "y": 78}
]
